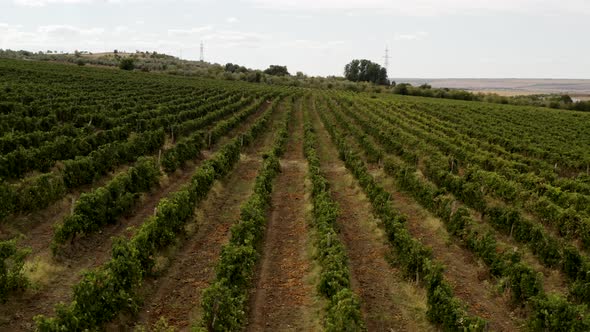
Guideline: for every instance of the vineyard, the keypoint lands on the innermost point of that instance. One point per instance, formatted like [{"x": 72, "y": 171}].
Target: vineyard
[{"x": 152, "y": 202}]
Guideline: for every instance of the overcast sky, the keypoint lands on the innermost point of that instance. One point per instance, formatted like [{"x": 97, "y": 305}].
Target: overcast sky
[{"x": 426, "y": 38}]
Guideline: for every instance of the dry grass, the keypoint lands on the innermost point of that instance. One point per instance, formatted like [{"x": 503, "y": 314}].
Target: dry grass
[{"x": 41, "y": 272}]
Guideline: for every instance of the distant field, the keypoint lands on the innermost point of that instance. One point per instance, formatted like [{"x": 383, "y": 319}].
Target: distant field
[{"x": 509, "y": 86}]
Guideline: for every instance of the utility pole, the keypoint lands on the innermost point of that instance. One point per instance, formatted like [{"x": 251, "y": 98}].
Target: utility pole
[
  {"x": 386, "y": 57},
  {"x": 202, "y": 57}
]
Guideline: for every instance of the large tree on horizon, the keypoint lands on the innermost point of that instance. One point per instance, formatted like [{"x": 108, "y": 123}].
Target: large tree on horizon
[{"x": 366, "y": 71}]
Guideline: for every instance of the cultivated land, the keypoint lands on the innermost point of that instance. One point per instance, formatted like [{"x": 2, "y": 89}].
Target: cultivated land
[
  {"x": 510, "y": 86},
  {"x": 148, "y": 201}
]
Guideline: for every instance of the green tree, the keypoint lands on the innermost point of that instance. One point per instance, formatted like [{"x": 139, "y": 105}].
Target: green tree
[
  {"x": 402, "y": 88},
  {"x": 566, "y": 99},
  {"x": 254, "y": 76},
  {"x": 277, "y": 70},
  {"x": 366, "y": 71},
  {"x": 235, "y": 68},
  {"x": 127, "y": 64}
]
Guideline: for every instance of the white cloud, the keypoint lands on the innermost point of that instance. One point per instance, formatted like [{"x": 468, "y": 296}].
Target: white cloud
[
  {"x": 305, "y": 44},
  {"x": 433, "y": 7},
  {"x": 189, "y": 32},
  {"x": 41, "y": 3},
  {"x": 6, "y": 26},
  {"x": 10, "y": 33},
  {"x": 231, "y": 20},
  {"x": 64, "y": 31},
  {"x": 400, "y": 7},
  {"x": 122, "y": 37},
  {"x": 50, "y": 37},
  {"x": 232, "y": 38},
  {"x": 297, "y": 16},
  {"x": 57, "y": 36},
  {"x": 232, "y": 35},
  {"x": 411, "y": 36},
  {"x": 123, "y": 30}
]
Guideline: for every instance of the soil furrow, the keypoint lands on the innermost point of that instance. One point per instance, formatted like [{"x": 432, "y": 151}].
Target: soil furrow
[
  {"x": 469, "y": 278},
  {"x": 388, "y": 302},
  {"x": 283, "y": 298},
  {"x": 188, "y": 269}
]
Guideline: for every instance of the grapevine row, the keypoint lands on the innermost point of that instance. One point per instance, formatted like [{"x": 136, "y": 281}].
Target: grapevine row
[
  {"x": 415, "y": 259},
  {"x": 38, "y": 192},
  {"x": 343, "y": 309},
  {"x": 111, "y": 289},
  {"x": 510, "y": 221},
  {"x": 225, "y": 300},
  {"x": 105, "y": 204},
  {"x": 549, "y": 311}
]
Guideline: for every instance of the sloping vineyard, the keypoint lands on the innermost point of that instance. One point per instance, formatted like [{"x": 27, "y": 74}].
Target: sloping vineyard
[{"x": 133, "y": 200}]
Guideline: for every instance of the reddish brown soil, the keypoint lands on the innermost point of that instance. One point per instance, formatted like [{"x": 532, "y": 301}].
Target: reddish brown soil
[
  {"x": 88, "y": 253},
  {"x": 283, "y": 298},
  {"x": 388, "y": 303},
  {"x": 468, "y": 277},
  {"x": 175, "y": 296},
  {"x": 59, "y": 274}
]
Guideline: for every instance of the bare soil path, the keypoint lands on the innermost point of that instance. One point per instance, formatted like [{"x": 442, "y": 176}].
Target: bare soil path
[
  {"x": 388, "y": 302},
  {"x": 175, "y": 295},
  {"x": 283, "y": 297}
]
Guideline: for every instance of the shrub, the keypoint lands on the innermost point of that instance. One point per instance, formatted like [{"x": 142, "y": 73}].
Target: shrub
[{"x": 127, "y": 64}]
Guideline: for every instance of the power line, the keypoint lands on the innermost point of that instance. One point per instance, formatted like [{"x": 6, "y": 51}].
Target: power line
[
  {"x": 202, "y": 57},
  {"x": 386, "y": 57}
]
